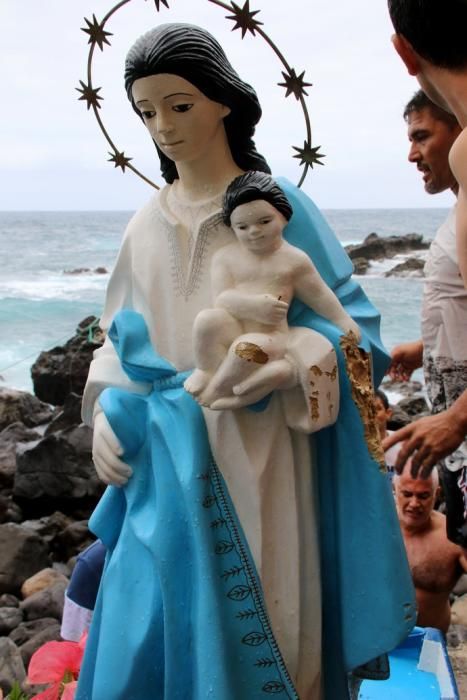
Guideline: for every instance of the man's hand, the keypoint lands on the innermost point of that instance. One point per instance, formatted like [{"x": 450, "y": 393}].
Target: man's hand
[
  {"x": 106, "y": 450},
  {"x": 426, "y": 441},
  {"x": 405, "y": 359}
]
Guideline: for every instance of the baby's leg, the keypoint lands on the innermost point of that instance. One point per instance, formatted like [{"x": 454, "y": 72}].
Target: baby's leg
[
  {"x": 213, "y": 332},
  {"x": 246, "y": 355}
]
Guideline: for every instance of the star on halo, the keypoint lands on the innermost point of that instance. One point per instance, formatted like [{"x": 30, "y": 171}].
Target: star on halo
[
  {"x": 89, "y": 94},
  {"x": 158, "y": 4},
  {"x": 244, "y": 18},
  {"x": 120, "y": 159},
  {"x": 308, "y": 155},
  {"x": 294, "y": 84},
  {"x": 97, "y": 34}
]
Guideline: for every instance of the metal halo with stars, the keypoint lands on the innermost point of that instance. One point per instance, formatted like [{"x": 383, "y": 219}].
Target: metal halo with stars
[{"x": 245, "y": 20}]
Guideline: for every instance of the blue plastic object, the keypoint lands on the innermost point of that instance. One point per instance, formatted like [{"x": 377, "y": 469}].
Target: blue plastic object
[{"x": 420, "y": 670}]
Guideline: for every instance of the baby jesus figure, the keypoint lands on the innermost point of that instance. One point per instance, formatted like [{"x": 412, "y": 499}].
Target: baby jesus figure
[{"x": 254, "y": 280}]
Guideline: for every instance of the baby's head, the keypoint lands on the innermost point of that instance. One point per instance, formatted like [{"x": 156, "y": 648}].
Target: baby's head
[
  {"x": 251, "y": 187},
  {"x": 257, "y": 210}
]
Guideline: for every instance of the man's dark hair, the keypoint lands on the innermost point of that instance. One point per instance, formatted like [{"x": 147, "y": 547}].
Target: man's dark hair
[
  {"x": 250, "y": 187},
  {"x": 421, "y": 101},
  {"x": 379, "y": 393},
  {"x": 436, "y": 29}
]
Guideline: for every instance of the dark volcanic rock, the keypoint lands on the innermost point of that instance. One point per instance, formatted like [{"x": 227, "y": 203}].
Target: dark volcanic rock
[
  {"x": 414, "y": 406},
  {"x": 19, "y": 406},
  {"x": 399, "y": 418},
  {"x": 376, "y": 247},
  {"x": 51, "y": 633},
  {"x": 68, "y": 417},
  {"x": 11, "y": 664},
  {"x": 27, "y": 630},
  {"x": 23, "y": 554},
  {"x": 59, "y": 467},
  {"x": 10, "y": 618},
  {"x": 412, "y": 267},
  {"x": 10, "y": 437},
  {"x": 360, "y": 265},
  {"x": 64, "y": 369},
  {"x": 46, "y": 603}
]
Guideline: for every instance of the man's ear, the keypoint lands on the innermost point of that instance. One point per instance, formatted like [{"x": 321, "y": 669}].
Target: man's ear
[{"x": 407, "y": 53}]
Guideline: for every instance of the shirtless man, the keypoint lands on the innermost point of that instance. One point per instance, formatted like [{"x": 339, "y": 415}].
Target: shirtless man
[
  {"x": 254, "y": 279},
  {"x": 436, "y": 563}
]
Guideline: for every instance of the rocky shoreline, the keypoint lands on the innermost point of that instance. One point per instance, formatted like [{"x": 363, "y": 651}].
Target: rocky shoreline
[
  {"x": 378, "y": 248},
  {"x": 48, "y": 487}
]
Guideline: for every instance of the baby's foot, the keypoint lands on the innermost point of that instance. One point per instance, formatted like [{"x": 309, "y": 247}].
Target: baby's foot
[{"x": 197, "y": 382}]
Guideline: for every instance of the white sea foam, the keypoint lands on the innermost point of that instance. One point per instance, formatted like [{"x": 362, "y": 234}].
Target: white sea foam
[
  {"x": 63, "y": 286},
  {"x": 378, "y": 268}
]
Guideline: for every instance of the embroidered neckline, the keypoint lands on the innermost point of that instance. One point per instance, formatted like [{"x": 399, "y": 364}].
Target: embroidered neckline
[{"x": 187, "y": 269}]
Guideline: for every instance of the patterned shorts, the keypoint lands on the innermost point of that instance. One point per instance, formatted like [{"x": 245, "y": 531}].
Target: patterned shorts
[{"x": 445, "y": 381}]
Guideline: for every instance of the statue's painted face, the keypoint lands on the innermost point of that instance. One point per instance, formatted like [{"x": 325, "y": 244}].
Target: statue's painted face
[
  {"x": 258, "y": 226},
  {"x": 184, "y": 123}
]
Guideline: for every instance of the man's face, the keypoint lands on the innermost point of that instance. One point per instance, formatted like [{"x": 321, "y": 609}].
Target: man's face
[
  {"x": 431, "y": 140},
  {"x": 415, "y": 500}
]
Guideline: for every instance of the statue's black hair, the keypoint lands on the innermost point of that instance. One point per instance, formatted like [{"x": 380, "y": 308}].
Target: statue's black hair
[
  {"x": 193, "y": 54},
  {"x": 252, "y": 186}
]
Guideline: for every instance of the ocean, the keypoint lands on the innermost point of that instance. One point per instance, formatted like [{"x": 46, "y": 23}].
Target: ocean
[{"x": 49, "y": 281}]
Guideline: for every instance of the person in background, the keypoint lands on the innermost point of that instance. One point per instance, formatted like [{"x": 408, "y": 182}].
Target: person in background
[
  {"x": 383, "y": 415},
  {"x": 442, "y": 350},
  {"x": 81, "y": 594},
  {"x": 436, "y": 564},
  {"x": 430, "y": 39}
]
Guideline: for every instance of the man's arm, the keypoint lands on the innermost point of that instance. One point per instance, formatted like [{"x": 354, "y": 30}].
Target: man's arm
[
  {"x": 458, "y": 163},
  {"x": 431, "y": 438}
]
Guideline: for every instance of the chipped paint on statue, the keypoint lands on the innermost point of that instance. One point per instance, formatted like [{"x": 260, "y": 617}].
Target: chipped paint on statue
[
  {"x": 358, "y": 367},
  {"x": 254, "y": 280}
]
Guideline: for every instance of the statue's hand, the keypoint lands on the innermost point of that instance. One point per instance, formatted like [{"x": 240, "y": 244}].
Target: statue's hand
[
  {"x": 280, "y": 374},
  {"x": 270, "y": 310},
  {"x": 106, "y": 452},
  {"x": 351, "y": 325}
]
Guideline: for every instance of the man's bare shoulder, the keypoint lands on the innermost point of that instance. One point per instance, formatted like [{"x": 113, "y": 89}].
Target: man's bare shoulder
[{"x": 458, "y": 159}]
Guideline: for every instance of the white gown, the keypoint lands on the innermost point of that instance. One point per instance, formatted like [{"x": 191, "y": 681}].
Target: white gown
[{"x": 163, "y": 272}]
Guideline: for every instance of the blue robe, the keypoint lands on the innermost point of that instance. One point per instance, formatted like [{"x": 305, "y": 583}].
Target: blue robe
[{"x": 180, "y": 613}]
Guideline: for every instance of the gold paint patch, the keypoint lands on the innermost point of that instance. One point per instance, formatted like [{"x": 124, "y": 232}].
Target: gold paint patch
[
  {"x": 251, "y": 353},
  {"x": 358, "y": 367},
  {"x": 317, "y": 371},
  {"x": 314, "y": 408},
  {"x": 333, "y": 374}
]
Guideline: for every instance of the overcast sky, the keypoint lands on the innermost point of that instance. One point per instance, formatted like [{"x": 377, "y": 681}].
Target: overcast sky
[{"x": 53, "y": 155}]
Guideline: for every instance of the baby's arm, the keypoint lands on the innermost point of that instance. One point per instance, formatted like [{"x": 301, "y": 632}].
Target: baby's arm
[
  {"x": 243, "y": 305},
  {"x": 313, "y": 291},
  {"x": 458, "y": 163}
]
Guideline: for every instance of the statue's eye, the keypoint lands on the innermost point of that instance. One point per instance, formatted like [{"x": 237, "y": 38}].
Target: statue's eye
[{"x": 182, "y": 108}]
